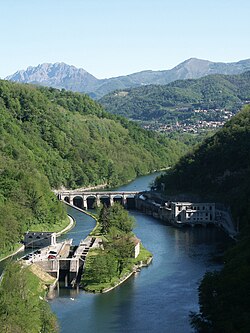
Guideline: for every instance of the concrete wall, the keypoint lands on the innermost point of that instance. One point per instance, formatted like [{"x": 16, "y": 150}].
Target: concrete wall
[{"x": 39, "y": 239}]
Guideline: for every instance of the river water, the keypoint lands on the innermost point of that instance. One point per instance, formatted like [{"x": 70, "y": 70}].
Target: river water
[{"x": 157, "y": 299}]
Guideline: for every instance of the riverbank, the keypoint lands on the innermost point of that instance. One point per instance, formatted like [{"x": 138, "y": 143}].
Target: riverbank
[
  {"x": 71, "y": 225},
  {"x": 20, "y": 248},
  {"x": 143, "y": 260},
  {"x": 90, "y": 188}
]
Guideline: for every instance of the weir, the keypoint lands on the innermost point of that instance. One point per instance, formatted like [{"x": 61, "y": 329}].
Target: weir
[
  {"x": 177, "y": 213},
  {"x": 87, "y": 200}
]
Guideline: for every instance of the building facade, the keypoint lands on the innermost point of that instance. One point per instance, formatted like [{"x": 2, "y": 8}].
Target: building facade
[
  {"x": 39, "y": 239},
  {"x": 192, "y": 213}
]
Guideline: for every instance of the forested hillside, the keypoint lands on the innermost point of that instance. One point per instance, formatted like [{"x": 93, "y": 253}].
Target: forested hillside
[
  {"x": 220, "y": 169},
  {"x": 51, "y": 139},
  {"x": 177, "y": 100},
  {"x": 22, "y": 305}
]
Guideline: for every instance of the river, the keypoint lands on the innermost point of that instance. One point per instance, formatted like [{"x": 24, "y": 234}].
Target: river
[{"x": 157, "y": 299}]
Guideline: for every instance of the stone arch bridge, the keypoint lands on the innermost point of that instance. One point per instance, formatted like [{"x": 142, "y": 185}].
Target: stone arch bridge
[{"x": 88, "y": 200}]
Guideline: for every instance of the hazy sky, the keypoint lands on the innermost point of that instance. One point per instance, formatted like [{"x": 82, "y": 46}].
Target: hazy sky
[{"x": 115, "y": 37}]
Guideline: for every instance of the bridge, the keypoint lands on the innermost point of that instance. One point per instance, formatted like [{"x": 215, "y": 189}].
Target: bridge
[{"x": 88, "y": 200}]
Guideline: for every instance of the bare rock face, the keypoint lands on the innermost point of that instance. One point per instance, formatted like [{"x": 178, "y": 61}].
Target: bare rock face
[{"x": 58, "y": 75}]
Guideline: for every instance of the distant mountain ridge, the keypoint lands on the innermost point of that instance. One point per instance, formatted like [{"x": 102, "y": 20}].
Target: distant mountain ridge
[
  {"x": 166, "y": 103},
  {"x": 63, "y": 76}
]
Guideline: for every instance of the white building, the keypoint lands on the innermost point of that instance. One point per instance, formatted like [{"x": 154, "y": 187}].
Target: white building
[
  {"x": 136, "y": 242},
  {"x": 192, "y": 213}
]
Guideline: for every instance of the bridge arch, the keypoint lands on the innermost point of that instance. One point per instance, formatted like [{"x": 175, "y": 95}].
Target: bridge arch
[
  {"x": 130, "y": 202},
  {"x": 78, "y": 201},
  {"x": 91, "y": 202},
  {"x": 118, "y": 198},
  {"x": 86, "y": 199},
  {"x": 67, "y": 199},
  {"x": 105, "y": 200}
]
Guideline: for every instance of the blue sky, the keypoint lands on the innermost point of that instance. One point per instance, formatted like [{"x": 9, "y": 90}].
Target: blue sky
[{"x": 115, "y": 37}]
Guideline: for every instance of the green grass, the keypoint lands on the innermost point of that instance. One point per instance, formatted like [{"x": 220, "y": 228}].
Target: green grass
[
  {"x": 99, "y": 287},
  {"x": 50, "y": 228},
  {"x": 9, "y": 251}
]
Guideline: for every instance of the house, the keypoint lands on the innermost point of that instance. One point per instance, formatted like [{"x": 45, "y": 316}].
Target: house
[{"x": 136, "y": 243}]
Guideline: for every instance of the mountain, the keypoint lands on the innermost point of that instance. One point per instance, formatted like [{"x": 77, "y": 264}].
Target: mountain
[
  {"x": 177, "y": 100},
  {"x": 60, "y": 75},
  {"x": 219, "y": 170}
]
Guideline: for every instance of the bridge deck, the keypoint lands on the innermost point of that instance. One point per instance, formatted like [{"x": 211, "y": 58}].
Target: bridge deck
[{"x": 76, "y": 192}]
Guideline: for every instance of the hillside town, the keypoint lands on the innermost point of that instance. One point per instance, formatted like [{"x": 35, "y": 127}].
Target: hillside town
[{"x": 199, "y": 120}]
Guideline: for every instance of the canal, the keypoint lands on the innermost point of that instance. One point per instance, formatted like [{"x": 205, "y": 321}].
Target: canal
[{"x": 157, "y": 299}]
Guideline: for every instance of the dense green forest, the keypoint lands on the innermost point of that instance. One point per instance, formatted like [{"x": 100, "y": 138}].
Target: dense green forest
[
  {"x": 22, "y": 304},
  {"x": 219, "y": 169},
  {"x": 52, "y": 138},
  {"x": 177, "y": 100}
]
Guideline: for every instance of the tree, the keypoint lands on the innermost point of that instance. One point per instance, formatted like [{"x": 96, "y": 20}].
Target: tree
[
  {"x": 122, "y": 249},
  {"x": 21, "y": 309},
  {"x": 101, "y": 268},
  {"x": 120, "y": 218},
  {"x": 104, "y": 219}
]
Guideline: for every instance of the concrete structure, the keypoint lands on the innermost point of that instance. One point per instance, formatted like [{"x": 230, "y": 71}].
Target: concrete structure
[
  {"x": 191, "y": 213},
  {"x": 39, "y": 239},
  {"x": 137, "y": 244},
  {"x": 176, "y": 212},
  {"x": 88, "y": 200},
  {"x": 63, "y": 261}
]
